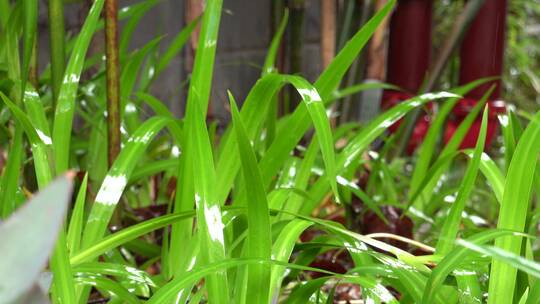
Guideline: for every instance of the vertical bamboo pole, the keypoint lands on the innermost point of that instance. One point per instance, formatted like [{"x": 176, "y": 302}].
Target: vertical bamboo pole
[
  {"x": 482, "y": 50},
  {"x": 328, "y": 36},
  {"x": 112, "y": 74},
  {"x": 376, "y": 66},
  {"x": 482, "y": 55},
  {"x": 57, "y": 41},
  {"x": 328, "y": 31}
]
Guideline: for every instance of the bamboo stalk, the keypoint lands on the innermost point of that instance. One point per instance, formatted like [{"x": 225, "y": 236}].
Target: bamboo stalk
[
  {"x": 57, "y": 41},
  {"x": 328, "y": 37},
  {"x": 376, "y": 66},
  {"x": 328, "y": 31},
  {"x": 112, "y": 74}
]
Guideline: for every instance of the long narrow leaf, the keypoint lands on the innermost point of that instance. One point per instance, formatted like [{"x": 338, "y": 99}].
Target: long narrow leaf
[
  {"x": 65, "y": 107},
  {"x": 514, "y": 208},
  {"x": 451, "y": 224}
]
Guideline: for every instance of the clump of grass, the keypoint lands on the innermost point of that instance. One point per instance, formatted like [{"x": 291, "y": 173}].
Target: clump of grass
[{"x": 228, "y": 211}]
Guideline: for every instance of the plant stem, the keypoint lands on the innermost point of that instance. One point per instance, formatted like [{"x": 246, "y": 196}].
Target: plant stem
[
  {"x": 112, "y": 74},
  {"x": 328, "y": 37},
  {"x": 328, "y": 31},
  {"x": 33, "y": 73},
  {"x": 57, "y": 41},
  {"x": 5, "y": 9}
]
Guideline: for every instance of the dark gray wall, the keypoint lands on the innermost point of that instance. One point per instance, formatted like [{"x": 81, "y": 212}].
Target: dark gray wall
[{"x": 243, "y": 40}]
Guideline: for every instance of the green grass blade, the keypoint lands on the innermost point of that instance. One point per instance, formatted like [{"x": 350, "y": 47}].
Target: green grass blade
[
  {"x": 200, "y": 85},
  {"x": 30, "y": 13},
  {"x": 161, "y": 109},
  {"x": 452, "y": 222},
  {"x": 492, "y": 173},
  {"x": 116, "y": 180},
  {"x": 153, "y": 168},
  {"x": 361, "y": 141},
  {"x": 5, "y": 9},
  {"x": 77, "y": 219},
  {"x": 63, "y": 288},
  {"x": 303, "y": 293},
  {"x": 253, "y": 115},
  {"x": 198, "y": 99},
  {"x": 453, "y": 259},
  {"x": 127, "y": 234},
  {"x": 140, "y": 277},
  {"x": 269, "y": 66},
  {"x": 514, "y": 209},
  {"x": 302, "y": 177},
  {"x": 271, "y": 55},
  {"x": 168, "y": 291},
  {"x": 65, "y": 107},
  {"x": 428, "y": 146},
  {"x": 259, "y": 239},
  {"x": 208, "y": 208},
  {"x": 282, "y": 250},
  {"x": 452, "y": 146},
  {"x": 376, "y": 127},
  {"x": 511, "y": 131},
  {"x": 38, "y": 144},
  {"x": 109, "y": 286},
  {"x": 130, "y": 74},
  {"x": 36, "y": 113},
  {"x": 10, "y": 179},
  {"x": 514, "y": 261},
  {"x": 97, "y": 151},
  {"x": 57, "y": 45},
  {"x": 130, "y": 71},
  {"x": 299, "y": 122},
  {"x": 320, "y": 120},
  {"x": 533, "y": 296},
  {"x": 11, "y": 35}
]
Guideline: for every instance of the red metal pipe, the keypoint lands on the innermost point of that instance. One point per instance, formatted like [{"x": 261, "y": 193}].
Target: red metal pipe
[
  {"x": 410, "y": 44},
  {"x": 483, "y": 47},
  {"x": 409, "y": 53},
  {"x": 481, "y": 56}
]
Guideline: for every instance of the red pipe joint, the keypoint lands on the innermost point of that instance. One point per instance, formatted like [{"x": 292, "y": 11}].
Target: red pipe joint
[{"x": 408, "y": 59}]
